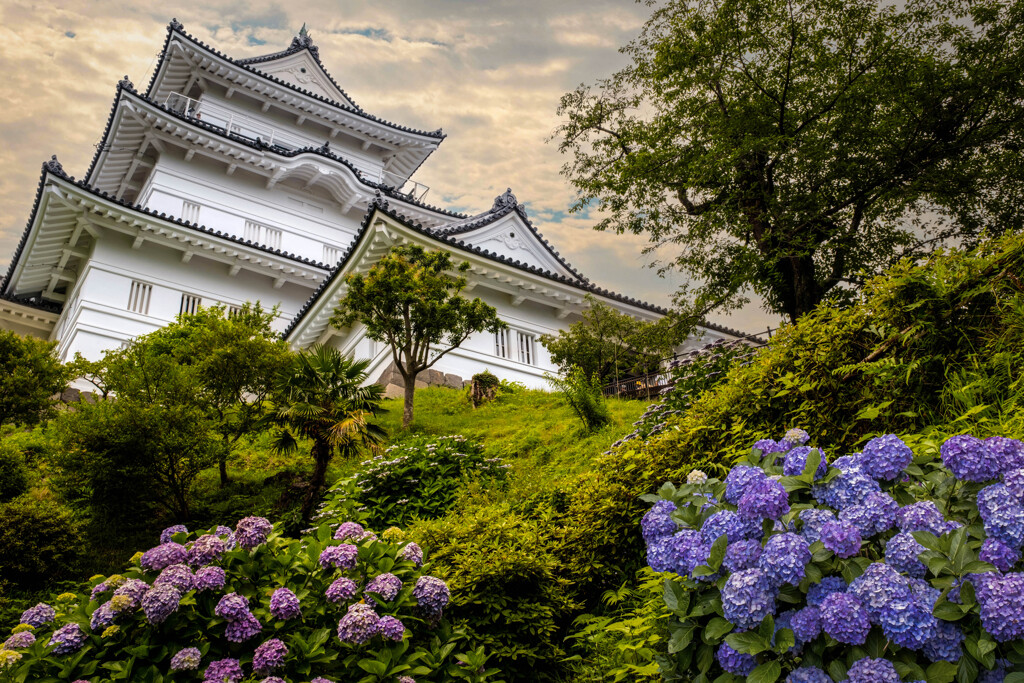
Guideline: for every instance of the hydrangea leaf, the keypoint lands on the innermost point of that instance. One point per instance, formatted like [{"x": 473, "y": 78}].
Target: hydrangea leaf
[
  {"x": 768, "y": 672},
  {"x": 941, "y": 672},
  {"x": 748, "y": 642},
  {"x": 717, "y": 628}
]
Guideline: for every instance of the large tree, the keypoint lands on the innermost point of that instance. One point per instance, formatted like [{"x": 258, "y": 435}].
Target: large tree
[
  {"x": 30, "y": 374},
  {"x": 786, "y": 146},
  {"x": 411, "y": 300}
]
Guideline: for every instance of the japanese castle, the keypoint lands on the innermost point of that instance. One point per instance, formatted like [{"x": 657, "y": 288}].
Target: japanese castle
[{"x": 232, "y": 180}]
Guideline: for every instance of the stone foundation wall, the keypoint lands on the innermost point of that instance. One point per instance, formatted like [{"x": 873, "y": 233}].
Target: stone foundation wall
[{"x": 394, "y": 384}]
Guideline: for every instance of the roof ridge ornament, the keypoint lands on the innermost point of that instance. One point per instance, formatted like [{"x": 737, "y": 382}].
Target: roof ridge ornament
[
  {"x": 305, "y": 41},
  {"x": 177, "y": 25},
  {"x": 53, "y": 166},
  {"x": 126, "y": 84},
  {"x": 507, "y": 201}
]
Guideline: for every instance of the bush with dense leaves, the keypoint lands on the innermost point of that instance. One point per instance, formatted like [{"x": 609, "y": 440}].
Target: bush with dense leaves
[
  {"x": 40, "y": 542},
  {"x": 339, "y": 604},
  {"x": 883, "y": 565},
  {"x": 584, "y": 395},
  {"x": 14, "y": 479}
]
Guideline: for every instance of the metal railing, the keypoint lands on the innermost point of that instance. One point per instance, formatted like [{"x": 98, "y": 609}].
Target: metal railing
[{"x": 403, "y": 185}]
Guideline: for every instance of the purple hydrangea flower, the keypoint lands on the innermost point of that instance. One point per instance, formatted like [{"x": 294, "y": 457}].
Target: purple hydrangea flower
[
  {"x": 187, "y": 659},
  {"x": 19, "y": 640},
  {"x": 342, "y": 589},
  {"x": 924, "y": 591},
  {"x": 970, "y": 459},
  {"x": 359, "y": 624},
  {"x": 812, "y": 521},
  {"x": 861, "y": 517},
  {"x": 784, "y": 559},
  {"x": 102, "y": 617},
  {"x": 1014, "y": 482},
  {"x": 269, "y": 656},
  {"x": 252, "y": 531},
  {"x": 844, "y": 618},
  {"x": 1002, "y": 515},
  {"x": 796, "y": 461},
  {"x": 411, "y": 552},
  {"x": 849, "y": 463},
  {"x": 273, "y": 679},
  {"x": 232, "y": 607},
  {"x": 842, "y": 538},
  {"x": 67, "y": 639},
  {"x": 339, "y": 556},
  {"x": 806, "y": 624},
  {"x": 879, "y": 585},
  {"x": 284, "y": 604},
  {"x": 741, "y": 555},
  {"x": 321, "y": 679},
  {"x": 997, "y": 553},
  {"x": 177, "y": 575},
  {"x": 739, "y": 480},
  {"x": 391, "y": 628},
  {"x": 747, "y": 598},
  {"x": 207, "y": 549},
  {"x": 769, "y": 446},
  {"x": 764, "y": 499},
  {"x": 868, "y": 670},
  {"x": 734, "y": 662},
  {"x": 658, "y": 522},
  {"x": 808, "y": 674},
  {"x": 996, "y": 675},
  {"x": 883, "y": 510},
  {"x": 923, "y": 516},
  {"x": 431, "y": 594},
  {"x": 687, "y": 551},
  {"x": 828, "y": 585},
  {"x": 98, "y": 590},
  {"x": 134, "y": 590},
  {"x": 885, "y": 457},
  {"x": 160, "y": 602},
  {"x": 347, "y": 530},
  {"x": 901, "y": 553},
  {"x": 1009, "y": 452},
  {"x": 166, "y": 534},
  {"x": 243, "y": 629},
  {"x": 223, "y": 671},
  {"x": 907, "y": 621},
  {"x": 39, "y": 615},
  {"x": 210, "y": 579},
  {"x": 386, "y": 585},
  {"x": 849, "y": 488},
  {"x": 163, "y": 555},
  {"x": 659, "y": 554},
  {"x": 1002, "y": 611},
  {"x": 944, "y": 645}
]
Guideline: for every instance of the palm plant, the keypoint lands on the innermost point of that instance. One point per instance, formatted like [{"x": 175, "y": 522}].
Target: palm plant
[{"x": 320, "y": 396}]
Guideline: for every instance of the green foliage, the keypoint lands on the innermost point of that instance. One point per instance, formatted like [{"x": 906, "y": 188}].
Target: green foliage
[
  {"x": 583, "y": 394},
  {"x": 320, "y": 396},
  {"x": 40, "y": 542},
  {"x": 409, "y": 301},
  {"x": 486, "y": 380},
  {"x": 30, "y": 374},
  {"x": 788, "y": 151},
  {"x": 508, "y": 590},
  {"x": 14, "y": 477},
  {"x": 931, "y": 346},
  {"x": 699, "y": 370},
  {"x": 611, "y": 344},
  {"x": 420, "y": 478}
]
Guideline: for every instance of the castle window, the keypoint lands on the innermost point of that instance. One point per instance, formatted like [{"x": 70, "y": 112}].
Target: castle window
[
  {"x": 501, "y": 345},
  {"x": 138, "y": 297},
  {"x": 189, "y": 211},
  {"x": 190, "y": 304},
  {"x": 331, "y": 255},
  {"x": 233, "y": 311},
  {"x": 526, "y": 348},
  {"x": 261, "y": 234}
]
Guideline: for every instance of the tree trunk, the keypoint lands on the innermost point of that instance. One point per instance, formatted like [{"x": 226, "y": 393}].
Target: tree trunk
[
  {"x": 321, "y": 457},
  {"x": 223, "y": 464},
  {"x": 410, "y": 392},
  {"x": 799, "y": 290}
]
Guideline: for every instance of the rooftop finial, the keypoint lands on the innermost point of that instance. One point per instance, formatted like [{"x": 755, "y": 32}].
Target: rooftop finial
[
  {"x": 126, "y": 83},
  {"x": 505, "y": 201},
  {"x": 53, "y": 166},
  {"x": 302, "y": 31},
  {"x": 176, "y": 25},
  {"x": 305, "y": 40}
]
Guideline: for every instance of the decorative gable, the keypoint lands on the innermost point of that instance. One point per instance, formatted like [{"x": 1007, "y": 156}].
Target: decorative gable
[{"x": 301, "y": 70}]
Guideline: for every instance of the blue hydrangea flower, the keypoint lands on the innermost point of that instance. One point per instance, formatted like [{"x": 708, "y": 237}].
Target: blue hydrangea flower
[
  {"x": 659, "y": 554},
  {"x": 68, "y": 639},
  {"x": 727, "y": 522},
  {"x": 769, "y": 446},
  {"x": 1014, "y": 482},
  {"x": 883, "y": 509},
  {"x": 812, "y": 521},
  {"x": 844, "y": 618},
  {"x": 848, "y": 463},
  {"x": 819, "y": 591},
  {"x": 733, "y": 662},
  {"x": 1009, "y": 452},
  {"x": 764, "y": 499},
  {"x": 924, "y": 591},
  {"x": 879, "y": 585},
  {"x": 739, "y": 479},
  {"x": 741, "y": 555},
  {"x": 922, "y": 516},
  {"x": 997, "y": 553},
  {"x": 39, "y": 615},
  {"x": 160, "y": 602},
  {"x": 747, "y": 598},
  {"x": 687, "y": 552},
  {"x": 808, "y": 674},
  {"x": 1002, "y": 610},
  {"x": 784, "y": 559},
  {"x": 907, "y": 621},
  {"x": 970, "y": 459},
  {"x": 861, "y": 517},
  {"x": 166, "y": 534},
  {"x": 944, "y": 645},
  {"x": 796, "y": 461},
  {"x": 885, "y": 457},
  {"x": 656, "y": 523},
  {"x": 806, "y": 624},
  {"x": 1002, "y": 515},
  {"x": 901, "y": 554},
  {"x": 849, "y": 488},
  {"x": 996, "y": 675},
  {"x": 784, "y": 620},
  {"x": 868, "y": 670},
  {"x": 842, "y": 538}
]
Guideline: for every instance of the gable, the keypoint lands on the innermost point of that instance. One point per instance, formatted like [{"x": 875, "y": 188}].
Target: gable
[
  {"x": 302, "y": 70},
  {"x": 511, "y": 237}
]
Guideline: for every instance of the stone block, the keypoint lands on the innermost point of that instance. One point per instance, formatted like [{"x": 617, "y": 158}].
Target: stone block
[
  {"x": 420, "y": 384},
  {"x": 394, "y": 391},
  {"x": 453, "y": 381},
  {"x": 435, "y": 378}
]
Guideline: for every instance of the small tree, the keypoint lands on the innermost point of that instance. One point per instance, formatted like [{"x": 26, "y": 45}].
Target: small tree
[
  {"x": 30, "y": 374},
  {"x": 411, "y": 302},
  {"x": 320, "y": 396}
]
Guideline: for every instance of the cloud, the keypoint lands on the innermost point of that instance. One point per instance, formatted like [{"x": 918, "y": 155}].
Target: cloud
[{"x": 489, "y": 72}]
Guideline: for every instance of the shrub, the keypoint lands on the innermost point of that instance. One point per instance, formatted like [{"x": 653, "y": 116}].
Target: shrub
[
  {"x": 14, "y": 479},
  {"x": 584, "y": 396},
  {"x": 230, "y": 603},
  {"x": 30, "y": 374},
  {"x": 40, "y": 542},
  {"x": 884, "y": 565},
  {"x": 508, "y": 590},
  {"x": 421, "y": 477}
]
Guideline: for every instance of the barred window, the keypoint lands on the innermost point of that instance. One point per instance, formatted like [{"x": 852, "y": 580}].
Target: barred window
[
  {"x": 261, "y": 234},
  {"x": 138, "y": 297},
  {"x": 190, "y": 304},
  {"x": 526, "y": 348},
  {"x": 189, "y": 211},
  {"x": 501, "y": 345}
]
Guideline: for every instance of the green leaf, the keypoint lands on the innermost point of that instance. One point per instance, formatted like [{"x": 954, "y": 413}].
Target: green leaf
[
  {"x": 680, "y": 639},
  {"x": 948, "y": 611},
  {"x": 747, "y": 642},
  {"x": 837, "y": 670},
  {"x": 717, "y": 628},
  {"x": 784, "y": 639},
  {"x": 718, "y": 552},
  {"x": 941, "y": 672},
  {"x": 768, "y": 672}
]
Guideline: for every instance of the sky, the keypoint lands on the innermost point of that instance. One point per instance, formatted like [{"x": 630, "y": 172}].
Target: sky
[{"x": 489, "y": 72}]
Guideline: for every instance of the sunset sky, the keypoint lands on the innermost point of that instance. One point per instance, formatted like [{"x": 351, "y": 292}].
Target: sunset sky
[{"x": 489, "y": 72}]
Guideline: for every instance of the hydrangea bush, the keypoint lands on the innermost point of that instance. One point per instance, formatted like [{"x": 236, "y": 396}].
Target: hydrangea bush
[
  {"x": 880, "y": 566},
  {"x": 227, "y": 605}
]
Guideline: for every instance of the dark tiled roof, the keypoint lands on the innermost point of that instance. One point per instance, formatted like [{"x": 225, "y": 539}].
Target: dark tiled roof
[
  {"x": 54, "y": 168},
  {"x": 125, "y": 86},
  {"x": 31, "y": 302},
  {"x": 176, "y": 27}
]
